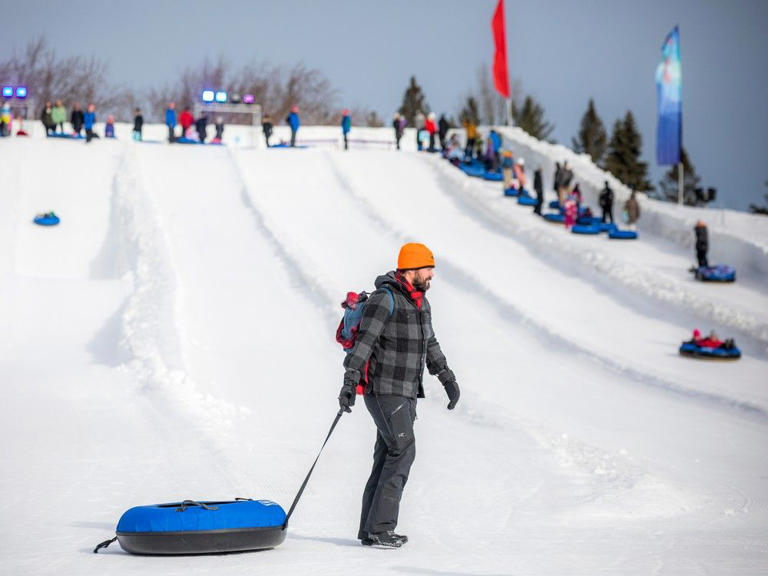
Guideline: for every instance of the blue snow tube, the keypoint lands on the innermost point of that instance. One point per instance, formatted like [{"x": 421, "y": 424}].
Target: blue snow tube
[
  {"x": 585, "y": 229},
  {"x": 493, "y": 176},
  {"x": 184, "y": 140},
  {"x": 474, "y": 170},
  {"x": 587, "y": 220},
  {"x": 607, "y": 226},
  {"x": 511, "y": 192},
  {"x": 555, "y": 205},
  {"x": 554, "y": 217},
  {"x": 693, "y": 350},
  {"x": 525, "y": 200},
  {"x": 191, "y": 527},
  {"x": 718, "y": 273},
  {"x": 622, "y": 234},
  {"x": 49, "y": 219}
]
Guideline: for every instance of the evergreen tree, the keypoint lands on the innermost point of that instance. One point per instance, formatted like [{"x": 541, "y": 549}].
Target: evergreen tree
[
  {"x": 470, "y": 111},
  {"x": 531, "y": 119},
  {"x": 592, "y": 137},
  {"x": 669, "y": 185},
  {"x": 623, "y": 158},
  {"x": 755, "y": 209},
  {"x": 414, "y": 102}
]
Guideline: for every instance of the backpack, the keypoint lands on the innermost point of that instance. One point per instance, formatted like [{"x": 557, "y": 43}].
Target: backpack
[{"x": 346, "y": 333}]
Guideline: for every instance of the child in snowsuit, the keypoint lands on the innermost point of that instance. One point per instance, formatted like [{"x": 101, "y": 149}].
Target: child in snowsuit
[
  {"x": 571, "y": 212},
  {"x": 109, "y": 127}
]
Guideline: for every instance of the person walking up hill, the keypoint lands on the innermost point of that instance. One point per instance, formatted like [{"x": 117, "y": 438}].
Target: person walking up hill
[{"x": 395, "y": 340}]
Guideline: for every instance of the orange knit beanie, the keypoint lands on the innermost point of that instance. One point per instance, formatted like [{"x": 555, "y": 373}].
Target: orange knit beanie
[{"x": 413, "y": 255}]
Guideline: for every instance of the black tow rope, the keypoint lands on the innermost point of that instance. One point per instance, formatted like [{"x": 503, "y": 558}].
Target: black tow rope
[
  {"x": 104, "y": 544},
  {"x": 187, "y": 503},
  {"x": 304, "y": 485}
]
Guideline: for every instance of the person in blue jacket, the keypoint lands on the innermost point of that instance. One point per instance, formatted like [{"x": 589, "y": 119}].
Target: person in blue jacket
[
  {"x": 496, "y": 140},
  {"x": 89, "y": 119},
  {"x": 294, "y": 122},
  {"x": 346, "y": 125},
  {"x": 170, "y": 120}
]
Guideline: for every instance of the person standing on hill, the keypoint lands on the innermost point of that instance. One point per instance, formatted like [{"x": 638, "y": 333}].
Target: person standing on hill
[
  {"x": 395, "y": 340},
  {"x": 346, "y": 125},
  {"x": 538, "y": 186},
  {"x": 507, "y": 169},
  {"x": 442, "y": 130},
  {"x": 59, "y": 116},
  {"x": 170, "y": 121},
  {"x": 185, "y": 120},
  {"x": 606, "y": 203},
  {"x": 632, "y": 207},
  {"x": 138, "y": 125},
  {"x": 431, "y": 128},
  {"x": 419, "y": 121},
  {"x": 398, "y": 126},
  {"x": 564, "y": 183},
  {"x": 201, "y": 125},
  {"x": 266, "y": 127},
  {"x": 89, "y": 119},
  {"x": 77, "y": 119},
  {"x": 471, "y": 130},
  {"x": 46, "y": 117},
  {"x": 294, "y": 122},
  {"x": 219, "y": 125},
  {"x": 702, "y": 243}
]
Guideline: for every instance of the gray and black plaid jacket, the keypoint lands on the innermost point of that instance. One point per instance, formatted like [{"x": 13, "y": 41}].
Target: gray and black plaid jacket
[{"x": 397, "y": 345}]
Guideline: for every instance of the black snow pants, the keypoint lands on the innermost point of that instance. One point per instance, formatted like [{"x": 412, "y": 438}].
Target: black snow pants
[
  {"x": 701, "y": 256},
  {"x": 393, "y": 454}
]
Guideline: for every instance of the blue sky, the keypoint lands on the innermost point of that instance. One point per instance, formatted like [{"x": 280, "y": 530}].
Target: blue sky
[{"x": 563, "y": 52}]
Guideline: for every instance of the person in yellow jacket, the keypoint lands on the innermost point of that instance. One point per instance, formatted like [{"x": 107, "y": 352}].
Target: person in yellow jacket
[{"x": 471, "y": 129}]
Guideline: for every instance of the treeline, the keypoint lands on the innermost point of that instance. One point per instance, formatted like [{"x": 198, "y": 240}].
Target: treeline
[{"x": 50, "y": 77}]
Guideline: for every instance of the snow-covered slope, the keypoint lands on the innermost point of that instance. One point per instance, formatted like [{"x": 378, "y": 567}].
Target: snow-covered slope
[
  {"x": 173, "y": 338},
  {"x": 737, "y": 238}
]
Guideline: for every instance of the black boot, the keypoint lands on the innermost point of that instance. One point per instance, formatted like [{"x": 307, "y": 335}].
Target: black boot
[{"x": 385, "y": 540}]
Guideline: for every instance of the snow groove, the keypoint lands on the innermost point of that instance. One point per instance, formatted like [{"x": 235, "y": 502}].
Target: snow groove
[{"x": 149, "y": 332}]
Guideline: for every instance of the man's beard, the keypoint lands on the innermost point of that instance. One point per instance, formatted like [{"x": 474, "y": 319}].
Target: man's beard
[{"x": 421, "y": 285}]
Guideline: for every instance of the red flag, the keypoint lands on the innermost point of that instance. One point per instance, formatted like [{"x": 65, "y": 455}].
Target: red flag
[{"x": 500, "y": 74}]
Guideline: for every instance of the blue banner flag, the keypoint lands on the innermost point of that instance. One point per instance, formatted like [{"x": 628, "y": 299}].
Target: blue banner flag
[{"x": 669, "y": 134}]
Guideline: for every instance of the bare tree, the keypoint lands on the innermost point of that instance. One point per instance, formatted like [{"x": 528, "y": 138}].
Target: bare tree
[{"x": 49, "y": 78}]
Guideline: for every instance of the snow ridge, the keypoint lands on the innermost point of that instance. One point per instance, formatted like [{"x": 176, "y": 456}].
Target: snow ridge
[
  {"x": 149, "y": 331},
  {"x": 743, "y": 237}
]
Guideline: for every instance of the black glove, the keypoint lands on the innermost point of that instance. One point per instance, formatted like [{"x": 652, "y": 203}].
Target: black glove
[
  {"x": 448, "y": 379},
  {"x": 347, "y": 394}
]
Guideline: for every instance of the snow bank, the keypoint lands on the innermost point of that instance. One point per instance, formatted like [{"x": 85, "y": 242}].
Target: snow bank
[{"x": 736, "y": 238}]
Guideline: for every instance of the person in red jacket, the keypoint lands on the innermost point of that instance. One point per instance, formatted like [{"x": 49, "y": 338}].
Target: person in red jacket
[
  {"x": 186, "y": 120},
  {"x": 431, "y": 128}
]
